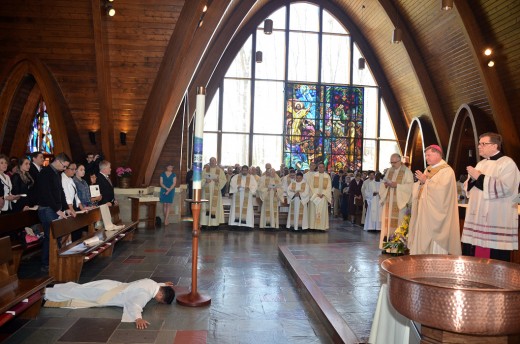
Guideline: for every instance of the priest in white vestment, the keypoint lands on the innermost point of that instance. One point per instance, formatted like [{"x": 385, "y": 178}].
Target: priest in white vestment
[
  {"x": 308, "y": 175},
  {"x": 242, "y": 187},
  {"x": 395, "y": 193},
  {"x": 491, "y": 224},
  {"x": 213, "y": 180},
  {"x": 321, "y": 196},
  {"x": 132, "y": 297},
  {"x": 370, "y": 192},
  {"x": 434, "y": 224},
  {"x": 298, "y": 194},
  {"x": 270, "y": 191}
]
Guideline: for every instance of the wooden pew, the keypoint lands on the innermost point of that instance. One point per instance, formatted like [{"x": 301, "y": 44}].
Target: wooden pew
[
  {"x": 18, "y": 297},
  {"x": 13, "y": 225},
  {"x": 66, "y": 260}
]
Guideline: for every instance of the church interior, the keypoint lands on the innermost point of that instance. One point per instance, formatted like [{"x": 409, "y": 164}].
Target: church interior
[{"x": 363, "y": 79}]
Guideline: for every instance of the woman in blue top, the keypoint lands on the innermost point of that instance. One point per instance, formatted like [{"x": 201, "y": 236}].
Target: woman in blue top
[
  {"x": 167, "y": 181},
  {"x": 83, "y": 189}
]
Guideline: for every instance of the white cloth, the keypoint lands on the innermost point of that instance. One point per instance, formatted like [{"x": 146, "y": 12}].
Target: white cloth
[
  {"x": 320, "y": 184},
  {"x": 239, "y": 192},
  {"x": 398, "y": 197},
  {"x": 294, "y": 204},
  {"x": 388, "y": 326},
  {"x": 373, "y": 212},
  {"x": 133, "y": 298},
  {"x": 492, "y": 216},
  {"x": 69, "y": 188},
  {"x": 434, "y": 223},
  {"x": 212, "y": 180},
  {"x": 5, "y": 182},
  {"x": 270, "y": 191}
]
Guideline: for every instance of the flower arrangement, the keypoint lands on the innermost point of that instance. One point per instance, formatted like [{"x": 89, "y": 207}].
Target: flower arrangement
[
  {"x": 124, "y": 172},
  {"x": 398, "y": 242}
]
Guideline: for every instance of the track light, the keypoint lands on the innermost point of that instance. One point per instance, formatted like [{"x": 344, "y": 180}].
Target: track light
[
  {"x": 397, "y": 36},
  {"x": 447, "y": 5},
  {"x": 488, "y": 51},
  {"x": 268, "y": 26},
  {"x": 109, "y": 8},
  {"x": 491, "y": 63}
]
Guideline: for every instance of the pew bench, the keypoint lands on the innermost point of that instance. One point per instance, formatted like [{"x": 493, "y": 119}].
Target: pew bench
[
  {"x": 23, "y": 297},
  {"x": 66, "y": 260},
  {"x": 13, "y": 226}
]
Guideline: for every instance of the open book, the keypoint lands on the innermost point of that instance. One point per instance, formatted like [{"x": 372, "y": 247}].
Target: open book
[{"x": 107, "y": 219}]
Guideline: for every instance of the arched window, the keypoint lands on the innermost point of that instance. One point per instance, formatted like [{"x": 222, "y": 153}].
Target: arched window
[
  {"x": 40, "y": 138},
  {"x": 309, "y": 99}
]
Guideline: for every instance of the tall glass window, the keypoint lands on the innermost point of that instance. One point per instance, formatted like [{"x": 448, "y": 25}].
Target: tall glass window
[
  {"x": 308, "y": 100},
  {"x": 40, "y": 138}
]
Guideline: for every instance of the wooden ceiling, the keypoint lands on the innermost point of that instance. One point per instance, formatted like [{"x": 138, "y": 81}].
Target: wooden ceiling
[{"x": 129, "y": 72}]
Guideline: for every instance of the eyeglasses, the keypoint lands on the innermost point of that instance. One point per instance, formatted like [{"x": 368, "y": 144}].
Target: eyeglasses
[
  {"x": 394, "y": 162},
  {"x": 63, "y": 165},
  {"x": 485, "y": 143}
]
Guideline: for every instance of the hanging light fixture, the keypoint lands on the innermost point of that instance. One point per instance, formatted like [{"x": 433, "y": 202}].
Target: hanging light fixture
[
  {"x": 397, "y": 36},
  {"x": 446, "y": 5},
  {"x": 259, "y": 57},
  {"x": 361, "y": 63},
  {"x": 268, "y": 26}
]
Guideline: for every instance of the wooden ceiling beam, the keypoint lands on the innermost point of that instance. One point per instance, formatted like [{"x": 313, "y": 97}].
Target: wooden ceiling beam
[
  {"x": 439, "y": 119},
  {"x": 103, "y": 81},
  {"x": 502, "y": 114}
]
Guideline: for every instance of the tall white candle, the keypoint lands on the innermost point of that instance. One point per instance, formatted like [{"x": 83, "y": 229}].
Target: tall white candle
[{"x": 197, "y": 142}]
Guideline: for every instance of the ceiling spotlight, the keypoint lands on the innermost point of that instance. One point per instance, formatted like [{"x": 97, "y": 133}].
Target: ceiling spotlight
[
  {"x": 205, "y": 9},
  {"x": 109, "y": 9},
  {"x": 491, "y": 63},
  {"x": 397, "y": 36},
  {"x": 268, "y": 26},
  {"x": 488, "y": 51},
  {"x": 447, "y": 5}
]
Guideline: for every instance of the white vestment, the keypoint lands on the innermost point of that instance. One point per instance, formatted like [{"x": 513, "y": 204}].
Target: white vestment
[
  {"x": 241, "y": 212},
  {"x": 298, "y": 203},
  {"x": 434, "y": 223},
  {"x": 492, "y": 216},
  {"x": 270, "y": 191},
  {"x": 320, "y": 184},
  {"x": 212, "y": 212},
  {"x": 131, "y": 296},
  {"x": 373, "y": 212},
  {"x": 394, "y": 200}
]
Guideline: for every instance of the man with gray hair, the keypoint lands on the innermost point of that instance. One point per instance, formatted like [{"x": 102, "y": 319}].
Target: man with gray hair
[
  {"x": 395, "y": 193},
  {"x": 434, "y": 224}
]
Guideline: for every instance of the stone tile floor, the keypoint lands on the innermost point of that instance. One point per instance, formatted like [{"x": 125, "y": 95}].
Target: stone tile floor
[{"x": 254, "y": 298}]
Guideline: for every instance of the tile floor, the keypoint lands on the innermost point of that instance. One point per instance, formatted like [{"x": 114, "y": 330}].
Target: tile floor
[{"x": 254, "y": 297}]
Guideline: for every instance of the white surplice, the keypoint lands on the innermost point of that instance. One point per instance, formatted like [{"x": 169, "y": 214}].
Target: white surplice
[
  {"x": 238, "y": 191},
  {"x": 270, "y": 191},
  {"x": 131, "y": 296},
  {"x": 373, "y": 212},
  {"x": 294, "y": 204},
  {"x": 212, "y": 212}
]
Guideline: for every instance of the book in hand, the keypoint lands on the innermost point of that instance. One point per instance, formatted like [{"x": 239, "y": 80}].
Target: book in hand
[{"x": 94, "y": 191}]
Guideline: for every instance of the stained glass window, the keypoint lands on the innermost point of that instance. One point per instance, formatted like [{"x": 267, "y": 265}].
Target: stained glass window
[
  {"x": 40, "y": 138},
  {"x": 323, "y": 124}
]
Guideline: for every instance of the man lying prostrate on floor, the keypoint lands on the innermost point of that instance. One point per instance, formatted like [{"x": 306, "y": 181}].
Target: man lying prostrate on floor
[{"x": 131, "y": 296}]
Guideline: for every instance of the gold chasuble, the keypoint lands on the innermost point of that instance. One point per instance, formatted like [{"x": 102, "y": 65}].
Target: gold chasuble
[
  {"x": 434, "y": 224},
  {"x": 394, "y": 200},
  {"x": 271, "y": 193},
  {"x": 212, "y": 212},
  {"x": 241, "y": 212},
  {"x": 321, "y": 195}
]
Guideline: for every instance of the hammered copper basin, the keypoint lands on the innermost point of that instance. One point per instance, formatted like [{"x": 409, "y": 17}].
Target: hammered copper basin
[{"x": 459, "y": 294}]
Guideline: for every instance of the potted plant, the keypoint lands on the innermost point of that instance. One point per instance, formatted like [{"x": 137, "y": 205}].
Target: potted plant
[{"x": 123, "y": 176}]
